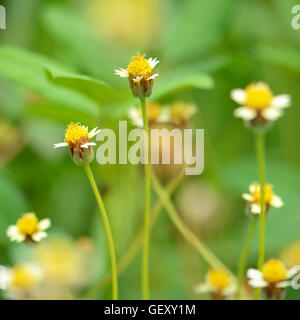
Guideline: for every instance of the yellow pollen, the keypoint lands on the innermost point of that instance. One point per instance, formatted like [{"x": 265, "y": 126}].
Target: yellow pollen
[
  {"x": 76, "y": 133},
  {"x": 258, "y": 96},
  {"x": 139, "y": 66},
  {"x": 22, "y": 277},
  {"x": 28, "y": 224},
  {"x": 218, "y": 279},
  {"x": 274, "y": 271}
]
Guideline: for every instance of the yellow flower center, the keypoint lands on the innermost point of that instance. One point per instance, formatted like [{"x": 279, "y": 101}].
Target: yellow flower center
[
  {"x": 22, "y": 277},
  {"x": 139, "y": 66},
  {"x": 258, "y": 96},
  {"x": 218, "y": 279},
  {"x": 153, "y": 111},
  {"x": 76, "y": 133},
  {"x": 274, "y": 271},
  {"x": 28, "y": 224},
  {"x": 268, "y": 194}
]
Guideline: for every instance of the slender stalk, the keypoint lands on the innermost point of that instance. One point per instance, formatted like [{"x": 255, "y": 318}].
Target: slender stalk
[
  {"x": 137, "y": 242},
  {"x": 244, "y": 257},
  {"x": 108, "y": 232},
  {"x": 206, "y": 254},
  {"x": 145, "y": 262},
  {"x": 260, "y": 150}
]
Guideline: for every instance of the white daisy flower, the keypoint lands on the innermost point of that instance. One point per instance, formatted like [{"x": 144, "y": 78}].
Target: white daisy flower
[
  {"x": 77, "y": 138},
  {"x": 154, "y": 114},
  {"x": 28, "y": 228},
  {"x": 255, "y": 195},
  {"x": 258, "y": 103},
  {"x": 21, "y": 281},
  {"x": 274, "y": 276},
  {"x": 140, "y": 74},
  {"x": 219, "y": 283}
]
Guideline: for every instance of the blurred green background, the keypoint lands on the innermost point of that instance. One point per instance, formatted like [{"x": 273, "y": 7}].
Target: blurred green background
[{"x": 205, "y": 48}]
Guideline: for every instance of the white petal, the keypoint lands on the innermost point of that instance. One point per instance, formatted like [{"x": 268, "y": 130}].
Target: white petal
[
  {"x": 153, "y": 76},
  {"x": 86, "y": 145},
  {"x": 230, "y": 290},
  {"x": 245, "y": 113},
  {"x": 254, "y": 274},
  {"x": 253, "y": 187},
  {"x": 135, "y": 117},
  {"x": 258, "y": 283},
  {"x": 293, "y": 271},
  {"x": 203, "y": 288},
  {"x": 281, "y": 101},
  {"x": 122, "y": 73},
  {"x": 271, "y": 113},
  {"x": 94, "y": 132},
  {"x": 276, "y": 202},
  {"x": 238, "y": 95},
  {"x": 283, "y": 284},
  {"x": 39, "y": 236},
  {"x": 14, "y": 234},
  {"x": 255, "y": 208},
  {"x": 59, "y": 145},
  {"x": 44, "y": 224},
  {"x": 247, "y": 197},
  {"x": 137, "y": 79},
  {"x": 153, "y": 62}
]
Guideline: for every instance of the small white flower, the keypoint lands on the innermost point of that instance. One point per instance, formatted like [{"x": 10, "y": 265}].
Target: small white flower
[
  {"x": 257, "y": 101},
  {"x": 255, "y": 195},
  {"x": 273, "y": 274},
  {"x": 219, "y": 283},
  {"x": 28, "y": 227}
]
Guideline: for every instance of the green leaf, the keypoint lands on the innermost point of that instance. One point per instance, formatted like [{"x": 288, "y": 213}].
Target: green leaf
[
  {"x": 12, "y": 205},
  {"x": 28, "y": 70},
  {"x": 95, "y": 89},
  {"x": 280, "y": 56},
  {"x": 174, "y": 82}
]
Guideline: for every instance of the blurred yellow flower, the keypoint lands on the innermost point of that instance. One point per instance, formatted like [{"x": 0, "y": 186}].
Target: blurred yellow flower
[
  {"x": 291, "y": 255},
  {"x": 219, "y": 283},
  {"x": 255, "y": 195},
  {"x": 139, "y": 72},
  {"x": 28, "y": 228},
  {"x": 22, "y": 280},
  {"x": 64, "y": 263},
  {"x": 259, "y": 103},
  {"x": 154, "y": 112}
]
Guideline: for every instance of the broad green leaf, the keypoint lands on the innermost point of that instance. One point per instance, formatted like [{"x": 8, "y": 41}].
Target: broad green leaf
[
  {"x": 12, "y": 205},
  {"x": 95, "y": 89},
  {"x": 28, "y": 70},
  {"x": 280, "y": 56},
  {"x": 174, "y": 82}
]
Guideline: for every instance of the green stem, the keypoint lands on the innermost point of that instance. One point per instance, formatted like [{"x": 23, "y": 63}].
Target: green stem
[
  {"x": 137, "y": 242},
  {"x": 108, "y": 232},
  {"x": 145, "y": 262},
  {"x": 206, "y": 254},
  {"x": 244, "y": 257},
  {"x": 260, "y": 150}
]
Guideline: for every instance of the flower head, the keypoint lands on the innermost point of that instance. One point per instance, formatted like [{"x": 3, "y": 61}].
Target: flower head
[
  {"x": 28, "y": 228},
  {"x": 291, "y": 254},
  {"x": 254, "y": 198},
  {"x": 140, "y": 74},
  {"x": 22, "y": 280},
  {"x": 273, "y": 277},
  {"x": 259, "y": 105},
  {"x": 219, "y": 283},
  {"x": 77, "y": 138}
]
